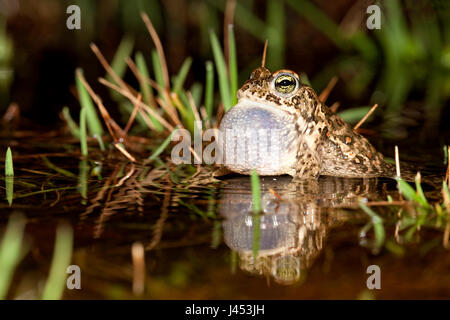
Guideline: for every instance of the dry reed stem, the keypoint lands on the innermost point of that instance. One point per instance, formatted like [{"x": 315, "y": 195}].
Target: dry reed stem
[
  {"x": 386, "y": 203},
  {"x": 133, "y": 99},
  {"x": 170, "y": 108},
  {"x": 397, "y": 162},
  {"x": 196, "y": 156},
  {"x": 133, "y": 116},
  {"x": 110, "y": 123},
  {"x": 13, "y": 112},
  {"x": 127, "y": 176},
  {"x": 447, "y": 173},
  {"x": 397, "y": 169},
  {"x": 146, "y": 118},
  {"x": 159, "y": 49},
  {"x": 124, "y": 152},
  {"x": 199, "y": 170},
  {"x": 96, "y": 202},
  {"x": 365, "y": 117},
  {"x": 159, "y": 226},
  {"x": 263, "y": 60},
  {"x": 219, "y": 116},
  {"x": 275, "y": 194},
  {"x": 230, "y": 8},
  {"x": 141, "y": 78},
  {"x": 121, "y": 83},
  {"x": 167, "y": 107},
  {"x": 58, "y": 198},
  {"x": 193, "y": 106},
  {"x": 445, "y": 239},
  {"x": 326, "y": 92},
  {"x": 205, "y": 116},
  {"x": 109, "y": 69},
  {"x": 148, "y": 109},
  {"x": 138, "y": 258},
  {"x": 335, "y": 106}
]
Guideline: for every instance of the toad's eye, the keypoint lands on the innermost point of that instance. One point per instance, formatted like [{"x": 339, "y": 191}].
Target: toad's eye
[{"x": 285, "y": 83}]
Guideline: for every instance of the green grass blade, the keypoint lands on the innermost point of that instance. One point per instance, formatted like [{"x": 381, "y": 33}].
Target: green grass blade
[
  {"x": 209, "y": 89},
  {"x": 44, "y": 191},
  {"x": 250, "y": 22},
  {"x": 73, "y": 127},
  {"x": 216, "y": 236},
  {"x": 128, "y": 107},
  {"x": 83, "y": 171},
  {"x": 147, "y": 92},
  {"x": 10, "y": 251},
  {"x": 162, "y": 147},
  {"x": 354, "y": 115},
  {"x": 232, "y": 65},
  {"x": 193, "y": 208},
  {"x": 9, "y": 169},
  {"x": 196, "y": 92},
  {"x": 57, "y": 169},
  {"x": 233, "y": 261},
  {"x": 157, "y": 69},
  {"x": 408, "y": 191},
  {"x": 93, "y": 122},
  {"x": 377, "y": 224},
  {"x": 395, "y": 248},
  {"x": 100, "y": 142},
  {"x": 211, "y": 209},
  {"x": 62, "y": 256},
  {"x": 182, "y": 104},
  {"x": 83, "y": 137},
  {"x": 256, "y": 222},
  {"x": 9, "y": 176},
  {"x": 184, "y": 107},
  {"x": 275, "y": 34},
  {"x": 224, "y": 86},
  {"x": 319, "y": 20},
  {"x": 9, "y": 186},
  {"x": 420, "y": 191},
  {"x": 256, "y": 192},
  {"x": 305, "y": 79},
  {"x": 118, "y": 64},
  {"x": 245, "y": 18},
  {"x": 179, "y": 79}
]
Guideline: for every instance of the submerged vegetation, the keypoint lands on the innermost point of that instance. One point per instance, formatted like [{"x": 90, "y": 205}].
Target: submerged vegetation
[{"x": 10, "y": 251}]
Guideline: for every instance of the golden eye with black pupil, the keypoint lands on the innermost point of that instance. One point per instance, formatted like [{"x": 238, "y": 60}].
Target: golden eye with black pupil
[{"x": 285, "y": 83}]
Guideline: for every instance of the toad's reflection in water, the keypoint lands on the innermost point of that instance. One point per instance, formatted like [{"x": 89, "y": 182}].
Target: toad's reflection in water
[{"x": 291, "y": 229}]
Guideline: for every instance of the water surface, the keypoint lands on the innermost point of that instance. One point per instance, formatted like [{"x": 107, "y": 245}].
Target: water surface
[{"x": 201, "y": 238}]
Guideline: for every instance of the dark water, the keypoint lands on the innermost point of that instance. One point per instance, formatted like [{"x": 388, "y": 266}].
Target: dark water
[{"x": 201, "y": 239}]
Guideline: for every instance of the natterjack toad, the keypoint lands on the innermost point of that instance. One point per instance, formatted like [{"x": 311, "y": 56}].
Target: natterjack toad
[{"x": 279, "y": 126}]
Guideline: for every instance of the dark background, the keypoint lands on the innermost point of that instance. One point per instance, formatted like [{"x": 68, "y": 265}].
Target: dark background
[{"x": 45, "y": 53}]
